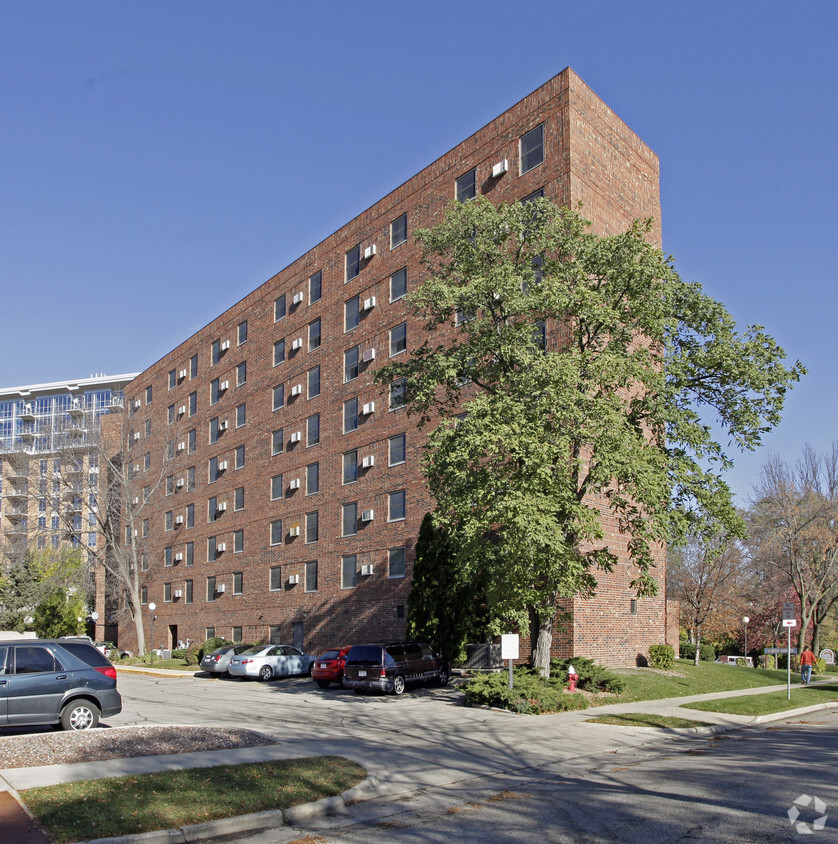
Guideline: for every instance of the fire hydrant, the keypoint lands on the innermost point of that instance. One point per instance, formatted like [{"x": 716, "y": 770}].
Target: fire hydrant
[{"x": 572, "y": 678}]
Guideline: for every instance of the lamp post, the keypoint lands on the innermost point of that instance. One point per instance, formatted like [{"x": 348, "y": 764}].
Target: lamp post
[
  {"x": 745, "y": 621},
  {"x": 151, "y": 609}
]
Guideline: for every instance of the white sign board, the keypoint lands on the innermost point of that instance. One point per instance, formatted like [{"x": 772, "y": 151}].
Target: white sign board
[
  {"x": 509, "y": 646},
  {"x": 789, "y": 622},
  {"x": 828, "y": 656}
]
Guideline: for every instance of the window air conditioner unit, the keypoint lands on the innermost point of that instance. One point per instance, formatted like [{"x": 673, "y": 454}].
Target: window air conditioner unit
[
  {"x": 221, "y": 588},
  {"x": 178, "y": 593},
  {"x": 298, "y": 297},
  {"x": 370, "y": 251},
  {"x": 181, "y": 447},
  {"x": 296, "y": 437},
  {"x": 137, "y": 404},
  {"x": 224, "y": 385},
  {"x": 368, "y": 461},
  {"x": 369, "y": 303},
  {"x": 294, "y": 483},
  {"x": 500, "y": 168},
  {"x": 295, "y": 530},
  {"x": 179, "y": 520},
  {"x": 222, "y": 466},
  {"x": 136, "y": 435},
  {"x": 181, "y": 411},
  {"x": 222, "y": 425},
  {"x": 367, "y": 408},
  {"x": 220, "y": 549},
  {"x": 136, "y": 499},
  {"x": 135, "y": 533},
  {"x": 179, "y": 483},
  {"x": 366, "y": 570},
  {"x": 293, "y": 578},
  {"x": 297, "y": 344},
  {"x": 182, "y": 374},
  {"x": 225, "y": 345},
  {"x": 137, "y": 467},
  {"x": 222, "y": 506},
  {"x": 296, "y": 389},
  {"x": 178, "y": 557},
  {"x": 367, "y": 515},
  {"x": 368, "y": 355}
]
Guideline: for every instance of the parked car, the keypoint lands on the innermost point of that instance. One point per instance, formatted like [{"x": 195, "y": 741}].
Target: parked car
[
  {"x": 328, "y": 667},
  {"x": 391, "y": 668},
  {"x": 268, "y": 661},
  {"x": 109, "y": 649},
  {"x": 218, "y": 661},
  {"x": 56, "y": 681}
]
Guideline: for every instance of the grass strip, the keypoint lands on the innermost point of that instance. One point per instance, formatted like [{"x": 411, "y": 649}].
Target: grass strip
[
  {"x": 770, "y": 703},
  {"x": 642, "y": 719},
  {"x": 79, "y": 811}
]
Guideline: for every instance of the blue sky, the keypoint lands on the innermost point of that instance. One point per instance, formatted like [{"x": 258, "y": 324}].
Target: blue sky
[{"x": 158, "y": 161}]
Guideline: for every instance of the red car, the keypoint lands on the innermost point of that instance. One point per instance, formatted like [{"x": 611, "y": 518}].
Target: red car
[{"x": 328, "y": 667}]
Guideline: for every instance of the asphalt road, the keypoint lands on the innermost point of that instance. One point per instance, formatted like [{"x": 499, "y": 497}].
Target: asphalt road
[{"x": 476, "y": 775}]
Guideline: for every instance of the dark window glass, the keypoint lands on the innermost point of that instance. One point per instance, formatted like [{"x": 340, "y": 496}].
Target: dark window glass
[
  {"x": 467, "y": 186},
  {"x": 193, "y": 366},
  {"x": 398, "y": 394},
  {"x": 314, "y": 335},
  {"x": 242, "y": 332},
  {"x": 277, "y": 441},
  {"x": 279, "y": 352},
  {"x": 313, "y": 429},
  {"x": 312, "y": 478},
  {"x": 349, "y": 519},
  {"x": 398, "y": 284},
  {"x": 397, "y": 449},
  {"x": 315, "y": 287},
  {"x": 311, "y": 576},
  {"x": 398, "y": 231},
  {"x": 351, "y": 363},
  {"x": 350, "y": 467},
  {"x": 350, "y": 415},
  {"x": 314, "y": 382},
  {"x": 279, "y": 308},
  {"x": 276, "y": 578},
  {"x": 353, "y": 262},
  {"x": 532, "y": 148},
  {"x": 279, "y": 396},
  {"x": 276, "y": 487},
  {"x": 238, "y": 498},
  {"x": 348, "y": 573},
  {"x": 352, "y": 313},
  {"x": 276, "y": 532},
  {"x": 396, "y": 562},
  {"x": 241, "y": 415},
  {"x": 312, "y": 527},
  {"x": 398, "y": 339},
  {"x": 215, "y": 354},
  {"x": 397, "y": 506},
  {"x": 238, "y": 541}
]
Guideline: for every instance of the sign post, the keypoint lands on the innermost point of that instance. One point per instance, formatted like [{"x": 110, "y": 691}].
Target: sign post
[
  {"x": 509, "y": 650},
  {"x": 789, "y": 621}
]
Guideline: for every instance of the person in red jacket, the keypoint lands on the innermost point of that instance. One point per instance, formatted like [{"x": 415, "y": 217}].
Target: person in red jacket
[{"x": 807, "y": 660}]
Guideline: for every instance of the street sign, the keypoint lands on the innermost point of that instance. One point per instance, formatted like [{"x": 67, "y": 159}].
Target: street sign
[
  {"x": 509, "y": 646},
  {"x": 779, "y": 650},
  {"x": 789, "y": 622}
]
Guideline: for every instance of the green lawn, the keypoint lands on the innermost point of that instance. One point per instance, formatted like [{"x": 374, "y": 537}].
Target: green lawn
[
  {"x": 704, "y": 678},
  {"x": 80, "y": 811},
  {"x": 769, "y": 703},
  {"x": 641, "y": 719}
]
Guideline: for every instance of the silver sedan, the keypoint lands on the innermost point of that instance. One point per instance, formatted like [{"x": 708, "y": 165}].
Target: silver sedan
[
  {"x": 218, "y": 661},
  {"x": 268, "y": 661}
]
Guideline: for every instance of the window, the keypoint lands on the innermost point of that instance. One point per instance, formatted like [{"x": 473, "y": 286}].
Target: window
[
  {"x": 148, "y": 395},
  {"x": 312, "y": 527},
  {"x": 168, "y": 556},
  {"x": 167, "y": 593},
  {"x": 397, "y": 506},
  {"x": 145, "y": 528},
  {"x": 212, "y": 474},
  {"x": 313, "y": 429},
  {"x": 193, "y": 403},
  {"x": 532, "y": 149},
  {"x": 349, "y": 519},
  {"x": 190, "y": 478},
  {"x": 279, "y": 397},
  {"x": 276, "y": 487},
  {"x": 353, "y": 262},
  {"x": 238, "y": 582},
  {"x": 242, "y": 332},
  {"x": 190, "y": 554},
  {"x": 168, "y": 520},
  {"x": 350, "y": 415},
  {"x": 193, "y": 366},
  {"x": 211, "y": 592},
  {"x": 314, "y": 382},
  {"x": 348, "y": 571},
  {"x": 396, "y": 562},
  {"x": 212, "y": 549},
  {"x": 215, "y": 355},
  {"x": 147, "y": 460},
  {"x": 144, "y": 594},
  {"x": 238, "y": 541},
  {"x": 236, "y": 634},
  {"x": 209, "y": 633},
  {"x": 312, "y": 478},
  {"x": 311, "y": 576},
  {"x": 467, "y": 186},
  {"x": 536, "y": 194},
  {"x": 398, "y": 284},
  {"x": 350, "y": 467},
  {"x": 279, "y": 352},
  {"x": 398, "y": 394},
  {"x": 352, "y": 313},
  {"x": 191, "y": 440},
  {"x": 277, "y": 441},
  {"x": 144, "y": 562},
  {"x": 398, "y": 339},
  {"x": 539, "y": 335},
  {"x": 351, "y": 364},
  {"x": 239, "y": 457},
  {"x": 172, "y": 379},
  {"x": 241, "y": 374},
  {"x": 170, "y": 418},
  {"x": 314, "y": 335},
  {"x": 190, "y": 515},
  {"x": 215, "y": 392},
  {"x": 315, "y": 287},
  {"x": 187, "y": 591},
  {"x": 276, "y": 532},
  {"x": 398, "y": 231},
  {"x": 275, "y": 581},
  {"x": 214, "y": 430},
  {"x": 170, "y": 485},
  {"x": 212, "y": 509},
  {"x": 241, "y": 415},
  {"x": 397, "y": 448},
  {"x": 280, "y": 309},
  {"x": 238, "y": 498}
]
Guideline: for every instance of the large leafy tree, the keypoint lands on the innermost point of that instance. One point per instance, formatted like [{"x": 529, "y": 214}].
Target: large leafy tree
[{"x": 564, "y": 379}]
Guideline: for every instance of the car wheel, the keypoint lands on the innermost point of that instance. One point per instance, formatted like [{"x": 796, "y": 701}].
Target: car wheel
[
  {"x": 265, "y": 673},
  {"x": 443, "y": 676},
  {"x": 398, "y": 685},
  {"x": 324, "y": 684},
  {"x": 80, "y": 715}
]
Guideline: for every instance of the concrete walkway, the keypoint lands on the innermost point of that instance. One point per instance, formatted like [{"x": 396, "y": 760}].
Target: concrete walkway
[{"x": 383, "y": 786}]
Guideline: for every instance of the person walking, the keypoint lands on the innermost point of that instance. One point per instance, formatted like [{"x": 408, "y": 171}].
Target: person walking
[{"x": 807, "y": 660}]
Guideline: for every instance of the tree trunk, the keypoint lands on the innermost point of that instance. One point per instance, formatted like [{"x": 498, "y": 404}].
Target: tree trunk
[
  {"x": 543, "y": 645},
  {"x": 697, "y": 646}
]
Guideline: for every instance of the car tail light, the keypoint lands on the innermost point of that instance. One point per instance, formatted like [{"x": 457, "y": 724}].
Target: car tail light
[
  {"x": 244, "y": 661},
  {"x": 108, "y": 670},
  {"x": 383, "y": 672}
]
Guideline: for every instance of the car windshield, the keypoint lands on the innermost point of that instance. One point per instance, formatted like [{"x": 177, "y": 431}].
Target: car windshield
[
  {"x": 365, "y": 655},
  {"x": 329, "y": 655},
  {"x": 240, "y": 649}
]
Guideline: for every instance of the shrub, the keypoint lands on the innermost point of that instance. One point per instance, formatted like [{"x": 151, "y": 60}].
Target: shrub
[
  {"x": 593, "y": 677},
  {"x": 819, "y": 666},
  {"x": 179, "y": 653},
  {"x": 193, "y": 654},
  {"x": 531, "y": 695},
  {"x": 708, "y": 652},
  {"x": 210, "y": 645},
  {"x": 769, "y": 661},
  {"x": 662, "y": 656}
]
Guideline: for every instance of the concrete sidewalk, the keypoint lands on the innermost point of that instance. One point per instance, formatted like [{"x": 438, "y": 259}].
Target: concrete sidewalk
[{"x": 391, "y": 784}]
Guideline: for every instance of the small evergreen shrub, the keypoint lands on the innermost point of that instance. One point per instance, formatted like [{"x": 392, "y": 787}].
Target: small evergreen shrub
[
  {"x": 179, "y": 653},
  {"x": 193, "y": 654},
  {"x": 593, "y": 677},
  {"x": 820, "y": 666},
  {"x": 708, "y": 652},
  {"x": 531, "y": 695},
  {"x": 210, "y": 645},
  {"x": 769, "y": 661},
  {"x": 662, "y": 656}
]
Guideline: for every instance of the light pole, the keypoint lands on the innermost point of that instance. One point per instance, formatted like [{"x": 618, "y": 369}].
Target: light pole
[
  {"x": 151, "y": 609},
  {"x": 745, "y": 621}
]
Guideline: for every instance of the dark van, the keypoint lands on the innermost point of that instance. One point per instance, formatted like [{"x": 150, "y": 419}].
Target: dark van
[
  {"x": 55, "y": 681},
  {"x": 391, "y": 668}
]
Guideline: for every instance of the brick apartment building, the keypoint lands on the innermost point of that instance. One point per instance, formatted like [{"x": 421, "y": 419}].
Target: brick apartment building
[{"x": 294, "y": 495}]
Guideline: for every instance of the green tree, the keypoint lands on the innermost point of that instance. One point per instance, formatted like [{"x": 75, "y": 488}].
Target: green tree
[
  {"x": 563, "y": 377},
  {"x": 58, "y": 615},
  {"x": 446, "y": 607}
]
